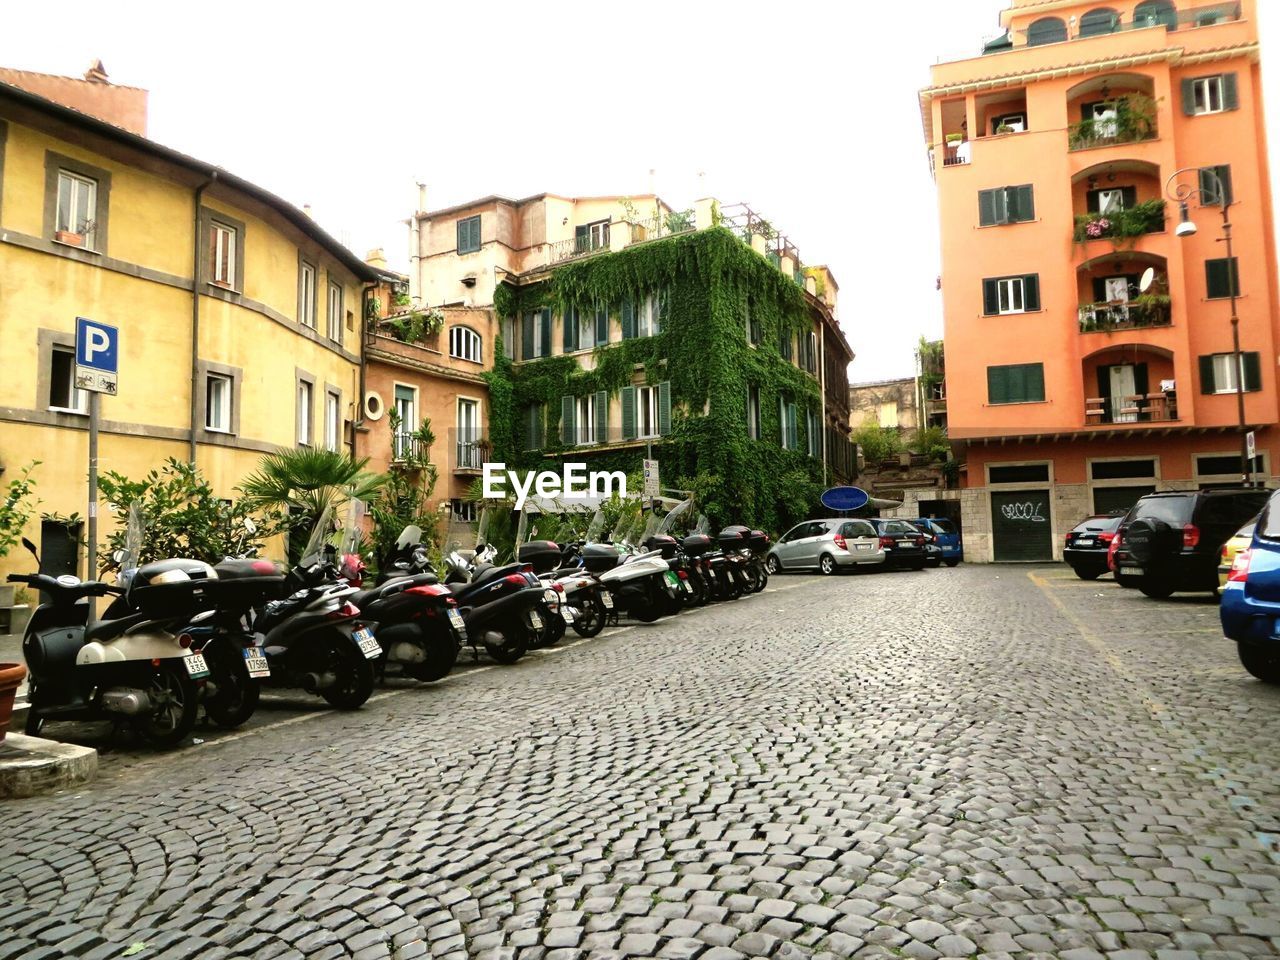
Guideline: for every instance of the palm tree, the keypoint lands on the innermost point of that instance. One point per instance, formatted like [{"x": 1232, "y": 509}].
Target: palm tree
[{"x": 301, "y": 482}]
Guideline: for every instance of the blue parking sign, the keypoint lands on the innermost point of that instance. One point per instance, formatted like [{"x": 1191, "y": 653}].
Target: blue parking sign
[{"x": 97, "y": 355}]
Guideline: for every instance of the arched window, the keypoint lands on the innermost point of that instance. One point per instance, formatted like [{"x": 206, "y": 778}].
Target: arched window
[
  {"x": 1095, "y": 23},
  {"x": 1047, "y": 30},
  {"x": 464, "y": 343},
  {"x": 1154, "y": 13}
]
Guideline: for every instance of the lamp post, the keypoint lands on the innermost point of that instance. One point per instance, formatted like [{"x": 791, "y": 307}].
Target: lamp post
[{"x": 1183, "y": 193}]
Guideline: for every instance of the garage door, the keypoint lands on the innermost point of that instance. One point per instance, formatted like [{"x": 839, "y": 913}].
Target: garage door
[
  {"x": 1020, "y": 525},
  {"x": 1115, "y": 499}
]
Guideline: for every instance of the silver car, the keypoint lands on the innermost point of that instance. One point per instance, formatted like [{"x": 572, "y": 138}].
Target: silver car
[{"x": 827, "y": 546}]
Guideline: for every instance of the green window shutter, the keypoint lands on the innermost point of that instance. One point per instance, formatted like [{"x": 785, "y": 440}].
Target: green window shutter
[
  {"x": 1189, "y": 97},
  {"x": 664, "y": 408},
  {"x": 526, "y": 336},
  {"x": 1230, "y": 92},
  {"x": 602, "y": 416},
  {"x": 1207, "y": 384},
  {"x": 1034, "y": 381},
  {"x": 986, "y": 208},
  {"x": 546, "y": 332},
  {"x": 581, "y": 238},
  {"x": 1031, "y": 292},
  {"x": 536, "y": 431},
  {"x": 1025, "y": 204},
  {"x": 1221, "y": 278},
  {"x": 1099, "y": 290},
  {"x": 568, "y": 428},
  {"x": 661, "y": 306},
  {"x": 1129, "y": 197},
  {"x": 1252, "y": 363},
  {"x": 570, "y": 329},
  {"x": 997, "y": 385},
  {"x": 990, "y": 297},
  {"x": 628, "y": 319},
  {"x": 602, "y": 325},
  {"x": 628, "y": 397},
  {"x": 1209, "y": 187},
  {"x": 1093, "y": 201},
  {"x": 793, "y": 426}
]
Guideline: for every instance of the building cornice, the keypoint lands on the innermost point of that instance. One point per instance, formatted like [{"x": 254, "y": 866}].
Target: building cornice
[{"x": 376, "y": 354}]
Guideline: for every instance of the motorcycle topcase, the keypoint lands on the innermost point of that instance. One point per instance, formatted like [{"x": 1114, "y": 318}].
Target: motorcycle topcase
[
  {"x": 599, "y": 557},
  {"x": 756, "y": 540},
  {"x": 696, "y": 544},
  {"x": 542, "y": 555},
  {"x": 171, "y": 588},
  {"x": 247, "y": 583},
  {"x": 667, "y": 545}
]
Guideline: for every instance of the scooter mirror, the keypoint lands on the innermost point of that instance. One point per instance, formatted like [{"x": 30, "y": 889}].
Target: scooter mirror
[
  {"x": 249, "y": 526},
  {"x": 32, "y": 547},
  {"x": 118, "y": 556}
]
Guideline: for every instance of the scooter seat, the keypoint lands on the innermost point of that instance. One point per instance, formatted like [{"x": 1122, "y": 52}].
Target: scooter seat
[{"x": 108, "y": 629}]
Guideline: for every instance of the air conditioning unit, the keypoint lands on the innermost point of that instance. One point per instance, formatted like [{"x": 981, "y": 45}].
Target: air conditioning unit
[{"x": 373, "y": 406}]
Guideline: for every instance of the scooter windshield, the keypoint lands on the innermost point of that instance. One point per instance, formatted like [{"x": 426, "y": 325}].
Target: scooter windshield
[
  {"x": 703, "y": 525},
  {"x": 319, "y": 534},
  {"x": 131, "y": 557},
  {"x": 596, "y": 527},
  {"x": 409, "y": 537},
  {"x": 679, "y": 510},
  {"x": 353, "y": 529}
]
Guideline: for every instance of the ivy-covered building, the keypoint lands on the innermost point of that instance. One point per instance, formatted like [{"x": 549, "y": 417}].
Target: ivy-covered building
[{"x": 694, "y": 337}]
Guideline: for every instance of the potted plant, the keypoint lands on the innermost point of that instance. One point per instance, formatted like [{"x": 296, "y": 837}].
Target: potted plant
[
  {"x": 68, "y": 237},
  {"x": 955, "y": 139},
  {"x": 1004, "y": 128},
  {"x": 16, "y": 507}
]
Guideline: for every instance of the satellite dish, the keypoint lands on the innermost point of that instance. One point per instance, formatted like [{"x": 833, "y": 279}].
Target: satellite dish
[{"x": 1148, "y": 278}]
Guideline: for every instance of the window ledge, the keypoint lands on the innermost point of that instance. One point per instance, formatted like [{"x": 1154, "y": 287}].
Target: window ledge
[
  {"x": 1024, "y": 313},
  {"x": 85, "y": 413},
  {"x": 76, "y": 246},
  {"x": 1011, "y": 223},
  {"x": 226, "y": 288},
  {"x": 1015, "y": 403},
  {"x": 218, "y": 430}
]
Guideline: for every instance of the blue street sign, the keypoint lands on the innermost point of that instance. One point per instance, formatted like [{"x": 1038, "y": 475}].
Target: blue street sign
[
  {"x": 844, "y": 498},
  {"x": 96, "y": 345}
]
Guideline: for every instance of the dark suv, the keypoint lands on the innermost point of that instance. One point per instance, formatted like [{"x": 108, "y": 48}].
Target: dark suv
[{"x": 1170, "y": 542}]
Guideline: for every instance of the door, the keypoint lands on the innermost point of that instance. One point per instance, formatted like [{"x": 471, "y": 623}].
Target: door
[
  {"x": 809, "y": 544},
  {"x": 1104, "y": 120},
  {"x": 1115, "y": 499},
  {"x": 1020, "y": 526},
  {"x": 1122, "y": 384},
  {"x": 788, "y": 544},
  {"x": 468, "y": 434}
]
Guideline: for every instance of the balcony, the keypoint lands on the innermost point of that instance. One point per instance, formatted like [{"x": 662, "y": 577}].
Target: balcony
[
  {"x": 1120, "y": 226},
  {"x": 1160, "y": 407},
  {"x": 408, "y": 451},
  {"x": 471, "y": 450},
  {"x": 616, "y": 235},
  {"x": 583, "y": 246},
  {"x": 1104, "y": 22},
  {"x": 1148, "y": 310},
  {"x": 1129, "y": 118}
]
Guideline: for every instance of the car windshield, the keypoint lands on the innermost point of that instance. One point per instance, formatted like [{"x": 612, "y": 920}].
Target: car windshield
[
  {"x": 1175, "y": 511},
  {"x": 898, "y": 526},
  {"x": 1097, "y": 525},
  {"x": 857, "y": 528},
  {"x": 944, "y": 526}
]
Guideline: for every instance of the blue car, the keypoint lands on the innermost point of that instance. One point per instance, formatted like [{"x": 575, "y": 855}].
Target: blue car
[
  {"x": 945, "y": 536},
  {"x": 1251, "y": 598}
]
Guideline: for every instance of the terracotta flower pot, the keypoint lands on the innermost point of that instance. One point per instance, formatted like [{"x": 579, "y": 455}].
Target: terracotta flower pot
[{"x": 11, "y": 676}]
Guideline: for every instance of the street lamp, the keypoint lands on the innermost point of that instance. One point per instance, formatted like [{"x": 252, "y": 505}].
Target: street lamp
[{"x": 1182, "y": 194}]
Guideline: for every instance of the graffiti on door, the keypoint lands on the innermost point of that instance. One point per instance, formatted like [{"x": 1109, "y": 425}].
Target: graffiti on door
[{"x": 1028, "y": 511}]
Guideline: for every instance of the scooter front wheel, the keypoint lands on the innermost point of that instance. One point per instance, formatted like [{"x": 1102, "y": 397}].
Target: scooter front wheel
[
  {"x": 441, "y": 654},
  {"x": 590, "y": 618},
  {"x": 353, "y": 672},
  {"x": 236, "y": 695},
  {"x": 174, "y": 699},
  {"x": 506, "y": 644}
]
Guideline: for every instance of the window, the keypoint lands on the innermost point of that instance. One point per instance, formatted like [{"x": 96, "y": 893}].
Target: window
[
  {"x": 222, "y": 254},
  {"x": 1218, "y": 373},
  {"x": 1046, "y": 30},
  {"x": 1096, "y": 23},
  {"x": 643, "y": 318},
  {"x": 304, "y": 413},
  {"x": 469, "y": 434},
  {"x": 1154, "y": 13},
  {"x": 591, "y": 236},
  {"x": 647, "y": 412},
  {"x": 63, "y": 394},
  {"x": 335, "y": 312},
  {"x": 332, "y": 420},
  {"x": 808, "y": 343},
  {"x": 789, "y": 428},
  {"x": 1112, "y": 200},
  {"x": 1015, "y": 383},
  {"x": 752, "y": 320},
  {"x": 534, "y": 427},
  {"x": 464, "y": 344},
  {"x": 753, "y": 412},
  {"x": 1006, "y": 205},
  {"x": 1019, "y": 473},
  {"x": 1009, "y": 123},
  {"x": 509, "y": 337},
  {"x": 1122, "y": 469},
  {"x": 536, "y": 335},
  {"x": 469, "y": 234},
  {"x": 784, "y": 345},
  {"x": 464, "y": 511},
  {"x": 1010, "y": 295},
  {"x": 217, "y": 403},
  {"x": 1214, "y": 183},
  {"x": 307, "y": 294},
  {"x": 585, "y": 417},
  {"x": 77, "y": 207},
  {"x": 812, "y": 432},
  {"x": 1222, "y": 278},
  {"x": 888, "y": 415},
  {"x": 1206, "y": 95},
  {"x": 584, "y": 329},
  {"x": 406, "y": 407}
]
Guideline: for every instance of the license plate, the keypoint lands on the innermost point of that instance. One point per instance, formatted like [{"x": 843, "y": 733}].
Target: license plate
[
  {"x": 1085, "y": 542},
  {"x": 673, "y": 579},
  {"x": 688, "y": 587},
  {"x": 607, "y": 599},
  {"x": 368, "y": 644},
  {"x": 455, "y": 618},
  {"x": 196, "y": 667},
  {"x": 904, "y": 543},
  {"x": 256, "y": 661},
  {"x": 862, "y": 546},
  {"x": 567, "y": 612},
  {"x": 1131, "y": 571},
  {"x": 535, "y": 621}
]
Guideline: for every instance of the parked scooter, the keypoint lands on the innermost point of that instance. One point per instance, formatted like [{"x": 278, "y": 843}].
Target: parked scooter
[
  {"x": 502, "y": 607},
  {"x": 134, "y": 668}
]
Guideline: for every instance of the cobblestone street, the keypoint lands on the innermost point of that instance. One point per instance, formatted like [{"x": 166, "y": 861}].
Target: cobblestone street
[{"x": 986, "y": 760}]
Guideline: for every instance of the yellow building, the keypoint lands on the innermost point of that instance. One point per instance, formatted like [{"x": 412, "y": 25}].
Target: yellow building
[{"x": 240, "y": 319}]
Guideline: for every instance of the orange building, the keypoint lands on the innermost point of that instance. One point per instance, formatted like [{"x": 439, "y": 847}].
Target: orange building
[{"x": 1088, "y": 343}]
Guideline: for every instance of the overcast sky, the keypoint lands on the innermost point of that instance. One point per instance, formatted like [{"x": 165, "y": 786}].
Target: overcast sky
[{"x": 807, "y": 111}]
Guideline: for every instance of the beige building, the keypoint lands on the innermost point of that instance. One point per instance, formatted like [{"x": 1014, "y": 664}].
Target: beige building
[{"x": 889, "y": 403}]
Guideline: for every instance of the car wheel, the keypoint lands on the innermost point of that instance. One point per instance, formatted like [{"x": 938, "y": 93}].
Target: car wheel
[
  {"x": 917, "y": 567},
  {"x": 826, "y": 565},
  {"x": 953, "y": 563},
  {"x": 1084, "y": 574},
  {"x": 1156, "y": 591},
  {"x": 773, "y": 565},
  {"x": 1261, "y": 662}
]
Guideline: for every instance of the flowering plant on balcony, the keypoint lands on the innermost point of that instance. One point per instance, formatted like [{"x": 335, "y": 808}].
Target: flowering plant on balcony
[
  {"x": 1121, "y": 227},
  {"x": 1096, "y": 229}
]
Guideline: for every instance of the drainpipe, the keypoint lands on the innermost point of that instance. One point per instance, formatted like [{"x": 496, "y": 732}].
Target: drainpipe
[
  {"x": 366, "y": 339},
  {"x": 195, "y": 314},
  {"x": 822, "y": 367}
]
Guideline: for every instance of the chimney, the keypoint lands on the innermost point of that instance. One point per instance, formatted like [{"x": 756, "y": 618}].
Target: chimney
[
  {"x": 376, "y": 258},
  {"x": 96, "y": 73},
  {"x": 306, "y": 208},
  {"x": 422, "y": 197}
]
